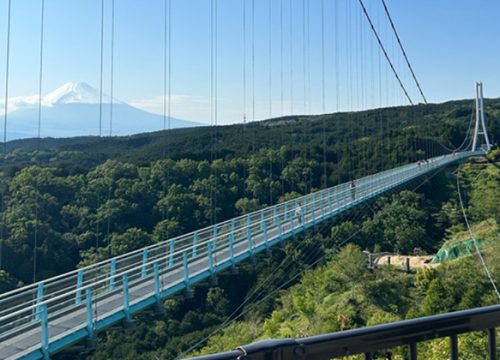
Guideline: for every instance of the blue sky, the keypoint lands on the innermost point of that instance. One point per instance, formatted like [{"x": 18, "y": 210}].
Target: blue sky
[{"x": 451, "y": 44}]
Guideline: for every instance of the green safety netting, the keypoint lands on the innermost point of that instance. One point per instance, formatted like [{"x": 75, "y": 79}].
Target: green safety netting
[{"x": 460, "y": 249}]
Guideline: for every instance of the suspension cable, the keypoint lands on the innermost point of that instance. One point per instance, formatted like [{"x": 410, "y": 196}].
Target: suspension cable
[
  {"x": 385, "y": 52},
  {"x": 166, "y": 108},
  {"x": 111, "y": 183},
  {"x": 403, "y": 51},
  {"x": 323, "y": 85},
  {"x": 270, "y": 51},
  {"x": 486, "y": 270},
  {"x": 270, "y": 79},
  {"x": 281, "y": 56},
  {"x": 467, "y": 133},
  {"x": 253, "y": 66},
  {"x": 112, "y": 67},
  {"x": 244, "y": 63},
  {"x": 7, "y": 72},
  {"x": 213, "y": 105},
  {"x": 101, "y": 68},
  {"x": 323, "y": 93},
  {"x": 337, "y": 85},
  {"x": 40, "y": 81},
  {"x": 7, "y": 69},
  {"x": 291, "y": 56},
  {"x": 304, "y": 79}
]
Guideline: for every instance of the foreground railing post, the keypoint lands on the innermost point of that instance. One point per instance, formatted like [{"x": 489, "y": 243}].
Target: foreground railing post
[
  {"x": 195, "y": 241},
  {"x": 211, "y": 258},
  {"x": 126, "y": 299},
  {"x": 313, "y": 207},
  {"x": 233, "y": 226},
  {"x": 412, "y": 351},
  {"x": 39, "y": 299},
  {"x": 454, "y": 347},
  {"x": 144, "y": 263},
  {"x": 112, "y": 275},
  {"x": 492, "y": 344},
  {"x": 249, "y": 239},
  {"x": 186, "y": 268},
  {"x": 79, "y": 282},
  {"x": 44, "y": 322},
  {"x": 303, "y": 215},
  {"x": 249, "y": 234},
  {"x": 231, "y": 247},
  {"x": 90, "y": 317},
  {"x": 321, "y": 204},
  {"x": 156, "y": 273},
  {"x": 215, "y": 233},
  {"x": 171, "y": 254},
  {"x": 264, "y": 231},
  {"x": 263, "y": 225}
]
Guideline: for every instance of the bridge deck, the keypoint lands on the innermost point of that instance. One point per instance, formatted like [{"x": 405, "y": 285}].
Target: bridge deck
[{"x": 45, "y": 317}]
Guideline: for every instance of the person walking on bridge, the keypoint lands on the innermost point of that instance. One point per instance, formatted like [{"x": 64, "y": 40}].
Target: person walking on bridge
[
  {"x": 298, "y": 214},
  {"x": 352, "y": 186}
]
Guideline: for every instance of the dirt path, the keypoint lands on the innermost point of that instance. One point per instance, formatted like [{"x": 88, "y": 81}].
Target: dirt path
[{"x": 416, "y": 262}]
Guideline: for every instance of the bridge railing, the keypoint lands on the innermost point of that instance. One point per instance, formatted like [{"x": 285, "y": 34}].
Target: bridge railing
[
  {"x": 63, "y": 294},
  {"x": 379, "y": 338}
]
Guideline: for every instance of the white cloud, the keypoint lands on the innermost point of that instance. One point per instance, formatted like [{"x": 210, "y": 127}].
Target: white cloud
[{"x": 17, "y": 102}]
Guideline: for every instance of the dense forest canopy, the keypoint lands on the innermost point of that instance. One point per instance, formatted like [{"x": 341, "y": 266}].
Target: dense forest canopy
[
  {"x": 125, "y": 193},
  {"x": 281, "y": 295}
]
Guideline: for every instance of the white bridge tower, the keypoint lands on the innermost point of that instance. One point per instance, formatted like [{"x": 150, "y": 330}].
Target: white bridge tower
[{"x": 480, "y": 128}]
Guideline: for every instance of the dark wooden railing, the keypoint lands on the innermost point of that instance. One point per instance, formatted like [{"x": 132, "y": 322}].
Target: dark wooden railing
[{"x": 371, "y": 339}]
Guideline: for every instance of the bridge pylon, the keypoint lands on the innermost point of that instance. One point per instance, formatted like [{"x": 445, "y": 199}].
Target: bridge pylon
[{"x": 480, "y": 127}]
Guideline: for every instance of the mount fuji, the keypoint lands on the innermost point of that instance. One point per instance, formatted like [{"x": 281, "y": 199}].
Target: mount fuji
[{"x": 73, "y": 110}]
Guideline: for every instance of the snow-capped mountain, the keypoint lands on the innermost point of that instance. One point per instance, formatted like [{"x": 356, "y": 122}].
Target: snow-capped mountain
[
  {"x": 71, "y": 93},
  {"x": 73, "y": 110}
]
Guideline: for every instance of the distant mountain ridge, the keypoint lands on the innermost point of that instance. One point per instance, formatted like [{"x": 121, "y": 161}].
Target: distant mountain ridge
[
  {"x": 73, "y": 109},
  {"x": 446, "y": 121}
]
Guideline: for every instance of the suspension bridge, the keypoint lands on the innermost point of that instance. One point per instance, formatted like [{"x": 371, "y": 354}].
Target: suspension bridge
[
  {"x": 45, "y": 317},
  {"x": 48, "y": 316}
]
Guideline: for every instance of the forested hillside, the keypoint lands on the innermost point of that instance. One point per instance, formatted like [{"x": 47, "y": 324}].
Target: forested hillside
[
  {"x": 314, "y": 285},
  {"x": 345, "y": 294},
  {"x": 90, "y": 198},
  {"x": 123, "y": 193}
]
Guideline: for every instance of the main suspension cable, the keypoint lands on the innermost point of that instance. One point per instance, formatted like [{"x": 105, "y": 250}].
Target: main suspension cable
[
  {"x": 385, "y": 52},
  {"x": 403, "y": 50}
]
